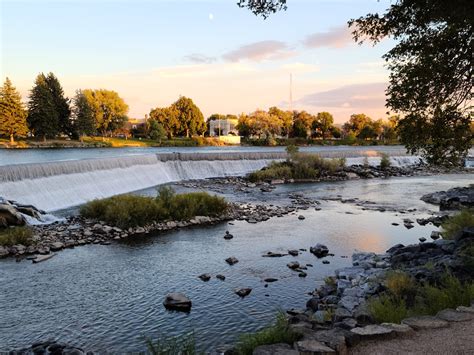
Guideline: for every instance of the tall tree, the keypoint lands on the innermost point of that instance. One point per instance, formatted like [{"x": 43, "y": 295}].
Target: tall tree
[
  {"x": 108, "y": 108},
  {"x": 431, "y": 69},
  {"x": 84, "y": 123},
  {"x": 302, "y": 124},
  {"x": 324, "y": 122},
  {"x": 190, "y": 117},
  {"x": 61, "y": 104},
  {"x": 168, "y": 118},
  {"x": 356, "y": 123},
  {"x": 12, "y": 112},
  {"x": 43, "y": 118},
  {"x": 286, "y": 119}
]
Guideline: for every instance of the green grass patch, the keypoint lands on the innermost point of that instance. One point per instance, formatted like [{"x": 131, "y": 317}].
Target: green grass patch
[
  {"x": 457, "y": 223},
  {"x": 385, "y": 162},
  {"x": 126, "y": 211},
  {"x": 279, "y": 332},
  {"x": 15, "y": 235},
  {"x": 406, "y": 298},
  {"x": 180, "y": 345},
  {"x": 299, "y": 166}
]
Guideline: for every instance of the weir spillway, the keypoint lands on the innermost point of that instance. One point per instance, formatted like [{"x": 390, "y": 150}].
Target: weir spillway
[{"x": 57, "y": 185}]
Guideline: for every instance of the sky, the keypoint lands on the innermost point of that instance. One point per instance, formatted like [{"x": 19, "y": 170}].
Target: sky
[{"x": 223, "y": 57}]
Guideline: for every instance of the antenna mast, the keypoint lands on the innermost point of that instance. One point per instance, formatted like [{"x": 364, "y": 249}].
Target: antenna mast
[{"x": 291, "y": 92}]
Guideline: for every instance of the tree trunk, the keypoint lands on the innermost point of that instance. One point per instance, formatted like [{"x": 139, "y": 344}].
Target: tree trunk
[{"x": 12, "y": 139}]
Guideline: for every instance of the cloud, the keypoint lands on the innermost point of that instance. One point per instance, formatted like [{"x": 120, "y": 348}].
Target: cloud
[
  {"x": 336, "y": 37},
  {"x": 358, "y": 96},
  {"x": 259, "y": 51},
  {"x": 200, "y": 58}
]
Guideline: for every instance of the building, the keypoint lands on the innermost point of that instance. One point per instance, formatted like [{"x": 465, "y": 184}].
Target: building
[{"x": 225, "y": 129}]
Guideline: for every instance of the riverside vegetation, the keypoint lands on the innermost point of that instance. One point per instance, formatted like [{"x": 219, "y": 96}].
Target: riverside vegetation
[{"x": 127, "y": 211}]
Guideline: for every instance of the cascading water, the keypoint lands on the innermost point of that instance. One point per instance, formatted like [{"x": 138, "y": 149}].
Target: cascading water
[{"x": 58, "y": 185}]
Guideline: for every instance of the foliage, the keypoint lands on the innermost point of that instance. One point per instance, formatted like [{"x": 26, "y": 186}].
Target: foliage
[
  {"x": 431, "y": 69},
  {"x": 16, "y": 235},
  {"x": 43, "y": 118},
  {"x": 126, "y": 211},
  {"x": 108, "y": 108},
  {"x": 279, "y": 332},
  {"x": 156, "y": 131},
  {"x": 324, "y": 121},
  {"x": 385, "y": 162},
  {"x": 457, "y": 223},
  {"x": 190, "y": 118},
  {"x": 12, "y": 112},
  {"x": 285, "y": 120},
  {"x": 167, "y": 117},
  {"x": 181, "y": 345},
  {"x": 405, "y": 297},
  {"x": 83, "y": 116},
  {"x": 302, "y": 124},
  {"x": 61, "y": 104},
  {"x": 263, "y": 7}
]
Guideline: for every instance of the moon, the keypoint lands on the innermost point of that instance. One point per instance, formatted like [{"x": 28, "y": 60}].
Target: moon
[{"x": 211, "y": 17}]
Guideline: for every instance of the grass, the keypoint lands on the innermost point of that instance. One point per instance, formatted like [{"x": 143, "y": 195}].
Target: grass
[
  {"x": 385, "y": 162},
  {"x": 406, "y": 298},
  {"x": 181, "y": 345},
  {"x": 299, "y": 166},
  {"x": 126, "y": 211},
  {"x": 279, "y": 332},
  {"x": 457, "y": 223},
  {"x": 15, "y": 235}
]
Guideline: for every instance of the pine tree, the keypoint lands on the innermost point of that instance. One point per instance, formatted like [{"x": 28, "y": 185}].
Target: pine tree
[
  {"x": 43, "y": 118},
  {"x": 12, "y": 112},
  {"x": 61, "y": 104},
  {"x": 84, "y": 123}
]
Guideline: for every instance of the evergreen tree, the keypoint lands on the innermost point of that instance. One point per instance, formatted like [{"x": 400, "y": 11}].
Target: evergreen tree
[
  {"x": 61, "y": 104},
  {"x": 12, "y": 112},
  {"x": 84, "y": 123},
  {"x": 43, "y": 118}
]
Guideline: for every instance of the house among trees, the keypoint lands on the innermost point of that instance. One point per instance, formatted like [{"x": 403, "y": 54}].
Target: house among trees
[{"x": 225, "y": 128}]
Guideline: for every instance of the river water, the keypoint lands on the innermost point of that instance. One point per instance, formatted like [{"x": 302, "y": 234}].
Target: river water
[{"x": 108, "y": 298}]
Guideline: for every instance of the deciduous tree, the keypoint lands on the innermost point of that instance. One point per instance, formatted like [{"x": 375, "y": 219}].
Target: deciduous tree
[
  {"x": 168, "y": 118},
  {"x": 190, "y": 117}
]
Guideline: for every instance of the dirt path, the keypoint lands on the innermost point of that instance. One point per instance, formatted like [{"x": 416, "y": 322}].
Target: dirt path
[{"x": 458, "y": 338}]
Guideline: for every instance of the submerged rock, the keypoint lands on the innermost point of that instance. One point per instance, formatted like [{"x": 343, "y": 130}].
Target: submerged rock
[
  {"x": 243, "y": 292},
  {"x": 319, "y": 250},
  {"x": 232, "y": 260},
  {"x": 178, "y": 302},
  {"x": 205, "y": 277},
  {"x": 228, "y": 236}
]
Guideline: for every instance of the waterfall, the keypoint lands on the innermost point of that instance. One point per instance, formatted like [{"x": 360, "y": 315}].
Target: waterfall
[{"x": 58, "y": 185}]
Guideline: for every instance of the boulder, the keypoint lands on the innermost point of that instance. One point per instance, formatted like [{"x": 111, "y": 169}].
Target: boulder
[
  {"x": 319, "y": 250},
  {"x": 220, "y": 277},
  {"x": 205, "y": 277},
  {"x": 313, "y": 347},
  {"x": 451, "y": 315},
  {"x": 178, "y": 302},
  {"x": 373, "y": 331},
  {"x": 271, "y": 254},
  {"x": 293, "y": 252},
  {"x": 41, "y": 258},
  {"x": 56, "y": 246},
  {"x": 9, "y": 216},
  {"x": 243, "y": 292},
  {"x": 274, "y": 349},
  {"x": 232, "y": 260},
  {"x": 399, "y": 329},
  {"x": 270, "y": 279},
  {"x": 293, "y": 265},
  {"x": 3, "y": 252},
  {"x": 228, "y": 236},
  {"x": 425, "y": 322},
  {"x": 301, "y": 217}
]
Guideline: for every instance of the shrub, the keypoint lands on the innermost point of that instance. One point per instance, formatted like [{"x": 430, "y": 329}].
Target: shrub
[
  {"x": 181, "y": 345},
  {"x": 387, "y": 309},
  {"x": 385, "y": 162},
  {"x": 16, "y": 235},
  {"x": 279, "y": 332},
  {"x": 400, "y": 284},
  {"x": 126, "y": 211},
  {"x": 457, "y": 223}
]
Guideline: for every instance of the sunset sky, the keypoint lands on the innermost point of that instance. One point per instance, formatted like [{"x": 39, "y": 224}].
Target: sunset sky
[{"x": 224, "y": 58}]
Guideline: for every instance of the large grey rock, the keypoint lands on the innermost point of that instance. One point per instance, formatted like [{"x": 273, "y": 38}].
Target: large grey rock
[
  {"x": 451, "y": 315},
  {"x": 41, "y": 258},
  {"x": 243, "y": 292},
  {"x": 275, "y": 349},
  {"x": 293, "y": 265},
  {"x": 313, "y": 347},
  {"x": 56, "y": 246},
  {"x": 3, "y": 252},
  {"x": 349, "y": 303},
  {"x": 425, "y": 322},
  {"x": 465, "y": 309},
  {"x": 178, "y": 302},
  {"x": 373, "y": 331},
  {"x": 9, "y": 216},
  {"x": 319, "y": 250},
  {"x": 399, "y": 329}
]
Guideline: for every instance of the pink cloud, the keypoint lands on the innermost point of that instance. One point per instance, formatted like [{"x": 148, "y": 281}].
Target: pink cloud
[
  {"x": 258, "y": 51},
  {"x": 336, "y": 37}
]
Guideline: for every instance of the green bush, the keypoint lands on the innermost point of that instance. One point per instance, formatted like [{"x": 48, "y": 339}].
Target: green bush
[
  {"x": 457, "y": 223},
  {"x": 181, "y": 345},
  {"x": 385, "y": 162},
  {"x": 279, "y": 332},
  {"x": 15, "y": 235},
  {"x": 126, "y": 211},
  {"x": 388, "y": 309}
]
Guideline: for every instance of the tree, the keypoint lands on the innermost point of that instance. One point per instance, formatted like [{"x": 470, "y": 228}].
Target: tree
[
  {"x": 367, "y": 132},
  {"x": 43, "y": 117},
  {"x": 108, "y": 108},
  {"x": 244, "y": 126},
  {"x": 167, "y": 117},
  {"x": 431, "y": 68},
  {"x": 190, "y": 117},
  {"x": 356, "y": 123},
  {"x": 263, "y": 7},
  {"x": 61, "y": 104},
  {"x": 324, "y": 121},
  {"x": 12, "y": 112},
  {"x": 83, "y": 116},
  {"x": 302, "y": 124},
  {"x": 286, "y": 119},
  {"x": 156, "y": 131}
]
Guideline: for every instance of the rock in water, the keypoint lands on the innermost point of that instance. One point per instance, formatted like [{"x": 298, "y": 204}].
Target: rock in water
[
  {"x": 319, "y": 250},
  {"x": 41, "y": 258},
  {"x": 220, "y": 277},
  {"x": 178, "y": 302},
  {"x": 232, "y": 260},
  {"x": 293, "y": 265},
  {"x": 301, "y": 217},
  {"x": 435, "y": 235},
  {"x": 228, "y": 236},
  {"x": 293, "y": 252},
  {"x": 242, "y": 292},
  {"x": 205, "y": 277},
  {"x": 9, "y": 215}
]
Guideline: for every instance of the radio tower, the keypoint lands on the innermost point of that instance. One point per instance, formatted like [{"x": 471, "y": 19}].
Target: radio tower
[{"x": 291, "y": 92}]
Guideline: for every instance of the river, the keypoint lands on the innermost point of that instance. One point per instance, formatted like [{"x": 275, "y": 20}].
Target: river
[{"x": 108, "y": 298}]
